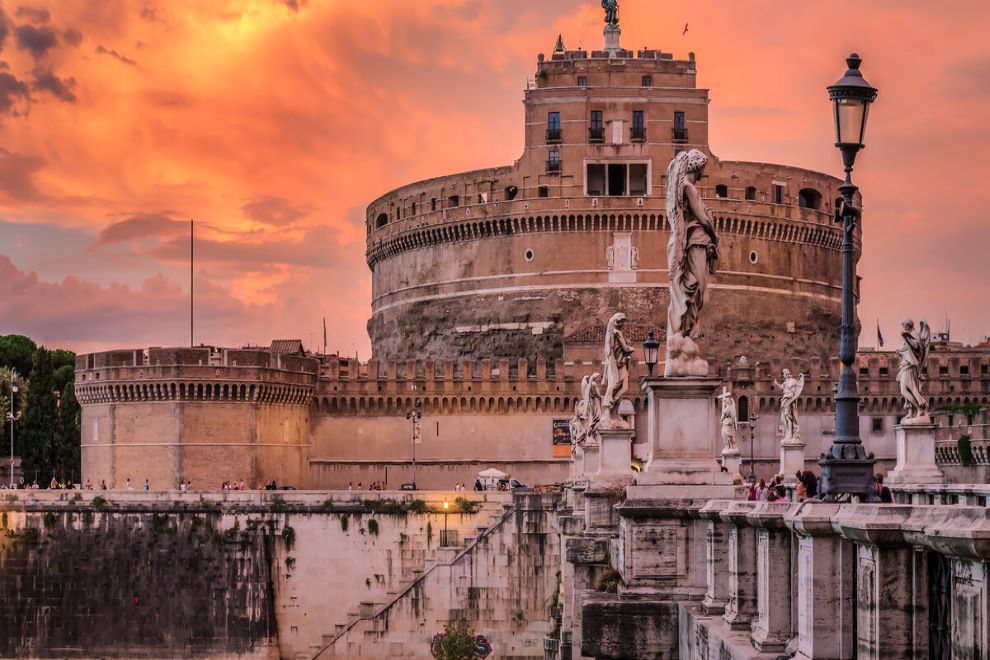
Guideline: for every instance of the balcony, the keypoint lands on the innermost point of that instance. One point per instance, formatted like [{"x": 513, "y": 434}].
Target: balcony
[
  {"x": 553, "y": 135},
  {"x": 680, "y": 134},
  {"x": 637, "y": 134},
  {"x": 596, "y": 134},
  {"x": 553, "y": 167}
]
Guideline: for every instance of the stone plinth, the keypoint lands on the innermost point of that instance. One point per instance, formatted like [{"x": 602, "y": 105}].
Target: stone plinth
[
  {"x": 612, "y": 35},
  {"x": 615, "y": 453},
  {"x": 590, "y": 461},
  {"x": 741, "y": 607},
  {"x": 772, "y": 627},
  {"x": 825, "y": 584},
  {"x": 915, "y": 456},
  {"x": 682, "y": 436},
  {"x": 791, "y": 457},
  {"x": 732, "y": 462},
  {"x": 716, "y": 558}
]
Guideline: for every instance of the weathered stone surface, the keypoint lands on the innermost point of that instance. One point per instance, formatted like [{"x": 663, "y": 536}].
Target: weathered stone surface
[
  {"x": 628, "y": 627},
  {"x": 586, "y": 550}
]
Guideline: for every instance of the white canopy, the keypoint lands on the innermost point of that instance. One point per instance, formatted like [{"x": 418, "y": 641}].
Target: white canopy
[{"x": 492, "y": 473}]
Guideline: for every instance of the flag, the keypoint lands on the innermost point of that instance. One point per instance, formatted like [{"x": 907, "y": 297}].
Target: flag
[{"x": 879, "y": 336}]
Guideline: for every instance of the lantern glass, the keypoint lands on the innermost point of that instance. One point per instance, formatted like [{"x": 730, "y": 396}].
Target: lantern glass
[
  {"x": 651, "y": 350},
  {"x": 850, "y": 120}
]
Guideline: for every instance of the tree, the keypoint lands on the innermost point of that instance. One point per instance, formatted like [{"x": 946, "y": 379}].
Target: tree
[
  {"x": 5, "y": 406},
  {"x": 66, "y": 458},
  {"x": 17, "y": 351},
  {"x": 35, "y": 438},
  {"x": 456, "y": 642}
]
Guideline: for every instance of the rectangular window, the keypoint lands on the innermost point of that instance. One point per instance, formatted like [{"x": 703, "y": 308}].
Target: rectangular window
[
  {"x": 414, "y": 208},
  {"x": 637, "y": 180},
  {"x": 543, "y": 191},
  {"x": 454, "y": 200},
  {"x": 877, "y": 424},
  {"x": 597, "y": 129},
  {"x": 616, "y": 179},
  {"x": 680, "y": 128},
  {"x": 884, "y": 371},
  {"x": 985, "y": 369},
  {"x": 647, "y": 81},
  {"x": 582, "y": 81},
  {"x": 595, "y": 179},
  {"x": 553, "y": 161},
  {"x": 943, "y": 371},
  {"x": 553, "y": 127},
  {"x": 433, "y": 204},
  {"x": 964, "y": 370},
  {"x": 638, "y": 125},
  {"x": 778, "y": 194}
]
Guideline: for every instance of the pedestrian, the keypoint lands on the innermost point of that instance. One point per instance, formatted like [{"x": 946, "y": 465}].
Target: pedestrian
[
  {"x": 800, "y": 492},
  {"x": 761, "y": 491},
  {"x": 882, "y": 491},
  {"x": 350, "y": 485},
  {"x": 751, "y": 492},
  {"x": 147, "y": 486},
  {"x": 103, "y": 484},
  {"x": 127, "y": 485}
]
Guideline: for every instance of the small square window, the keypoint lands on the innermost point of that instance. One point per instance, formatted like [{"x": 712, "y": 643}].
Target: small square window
[
  {"x": 543, "y": 191},
  {"x": 943, "y": 371},
  {"x": 454, "y": 200},
  {"x": 877, "y": 424},
  {"x": 964, "y": 370},
  {"x": 582, "y": 81},
  {"x": 647, "y": 81}
]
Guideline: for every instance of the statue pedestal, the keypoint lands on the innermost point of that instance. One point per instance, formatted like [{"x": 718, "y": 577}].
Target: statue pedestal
[
  {"x": 615, "y": 453},
  {"x": 612, "y": 40},
  {"x": 683, "y": 440},
  {"x": 577, "y": 462},
  {"x": 591, "y": 461},
  {"x": 915, "y": 456},
  {"x": 732, "y": 461},
  {"x": 791, "y": 458}
]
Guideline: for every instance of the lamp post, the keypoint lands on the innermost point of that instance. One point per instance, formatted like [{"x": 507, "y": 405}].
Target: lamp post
[
  {"x": 651, "y": 351},
  {"x": 846, "y": 468},
  {"x": 12, "y": 417},
  {"x": 415, "y": 415},
  {"x": 752, "y": 441},
  {"x": 446, "y": 506}
]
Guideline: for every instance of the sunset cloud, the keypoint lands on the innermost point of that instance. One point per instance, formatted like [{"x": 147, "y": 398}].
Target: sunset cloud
[{"x": 273, "y": 123}]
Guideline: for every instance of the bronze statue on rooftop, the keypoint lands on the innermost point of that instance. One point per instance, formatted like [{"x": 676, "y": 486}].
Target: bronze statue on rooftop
[{"x": 611, "y": 8}]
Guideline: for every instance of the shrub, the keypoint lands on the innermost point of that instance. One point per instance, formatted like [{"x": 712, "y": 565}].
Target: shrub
[
  {"x": 464, "y": 505},
  {"x": 288, "y": 537},
  {"x": 100, "y": 503},
  {"x": 50, "y": 519},
  {"x": 373, "y": 527},
  {"x": 456, "y": 642},
  {"x": 610, "y": 581},
  {"x": 344, "y": 518},
  {"x": 290, "y": 561},
  {"x": 965, "y": 450},
  {"x": 419, "y": 506}
]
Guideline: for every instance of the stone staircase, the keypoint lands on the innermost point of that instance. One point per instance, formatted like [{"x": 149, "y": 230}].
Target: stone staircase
[{"x": 417, "y": 563}]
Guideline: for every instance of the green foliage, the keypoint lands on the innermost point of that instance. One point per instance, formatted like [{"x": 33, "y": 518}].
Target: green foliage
[
  {"x": 385, "y": 507},
  {"x": 328, "y": 504},
  {"x": 288, "y": 537},
  {"x": 373, "y": 527},
  {"x": 34, "y": 440},
  {"x": 290, "y": 561},
  {"x": 456, "y": 642},
  {"x": 17, "y": 351},
  {"x": 100, "y": 503},
  {"x": 31, "y": 536},
  {"x": 464, "y": 505},
  {"x": 344, "y": 520},
  {"x": 429, "y": 533},
  {"x": 965, "y": 450},
  {"x": 87, "y": 518},
  {"x": 610, "y": 581},
  {"x": 419, "y": 506},
  {"x": 65, "y": 457},
  {"x": 50, "y": 519},
  {"x": 278, "y": 504}
]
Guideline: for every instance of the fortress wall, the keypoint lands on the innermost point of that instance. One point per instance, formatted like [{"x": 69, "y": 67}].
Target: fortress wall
[
  {"x": 218, "y": 443},
  {"x": 207, "y": 575},
  {"x": 283, "y": 445}
]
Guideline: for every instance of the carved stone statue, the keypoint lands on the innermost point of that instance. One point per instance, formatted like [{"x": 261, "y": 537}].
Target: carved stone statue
[
  {"x": 730, "y": 421},
  {"x": 692, "y": 253},
  {"x": 592, "y": 403},
  {"x": 611, "y": 8},
  {"x": 617, "y": 354},
  {"x": 579, "y": 421},
  {"x": 791, "y": 389},
  {"x": 914, "y": 354}
]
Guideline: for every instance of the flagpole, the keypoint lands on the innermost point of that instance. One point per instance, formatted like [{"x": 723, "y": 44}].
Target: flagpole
[{"x": 191, "y": 292}]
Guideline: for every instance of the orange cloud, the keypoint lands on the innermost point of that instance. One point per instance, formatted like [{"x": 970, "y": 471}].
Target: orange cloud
[{"x": 274, "y": 122}]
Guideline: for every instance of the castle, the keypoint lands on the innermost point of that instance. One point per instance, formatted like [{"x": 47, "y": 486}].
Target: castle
[{"x": 490, "y": 289}]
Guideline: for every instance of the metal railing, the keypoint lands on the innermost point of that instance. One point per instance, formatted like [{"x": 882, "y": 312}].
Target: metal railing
[
  {"x": 596, "y": 134},
  {"x": 553, "y": 135},
  {"x": 637, "y": 133},
  {"x": 553, "y": 166},
  {"x": 679, "y": 134}
]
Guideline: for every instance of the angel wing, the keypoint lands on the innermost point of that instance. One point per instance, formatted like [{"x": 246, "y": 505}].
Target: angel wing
[
  {"x": 799, "y": 387},
  {"x": 924, "y": 343}
]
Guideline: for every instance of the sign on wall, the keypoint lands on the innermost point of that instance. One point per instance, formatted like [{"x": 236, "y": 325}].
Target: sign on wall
[{"x": 561, "y": 438}]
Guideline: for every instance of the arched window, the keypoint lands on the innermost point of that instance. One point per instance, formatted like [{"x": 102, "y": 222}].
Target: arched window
[
  {"x": 809, "y": 198},
  {"x": 382, "y": 220},
  {"x": 751, "y": 193},
  {"x": 722, "y": 190}
]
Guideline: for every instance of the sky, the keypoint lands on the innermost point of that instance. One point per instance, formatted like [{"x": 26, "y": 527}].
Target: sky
[{"x": 275, "y": 122}]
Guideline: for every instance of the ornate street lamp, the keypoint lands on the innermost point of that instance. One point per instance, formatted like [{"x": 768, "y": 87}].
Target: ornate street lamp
[
  {"x": 846, "y": 468},
  {"x": 752, "y": 443},
  {"x": 651, "y": 351}
]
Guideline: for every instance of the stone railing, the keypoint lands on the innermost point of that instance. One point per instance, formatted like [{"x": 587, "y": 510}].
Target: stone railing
[{"x": 843, "y": 580}]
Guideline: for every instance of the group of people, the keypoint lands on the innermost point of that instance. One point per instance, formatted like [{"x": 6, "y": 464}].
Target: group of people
[
  {"x": 805, "y": 488},
  {"x": 233, "y": 485}
]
